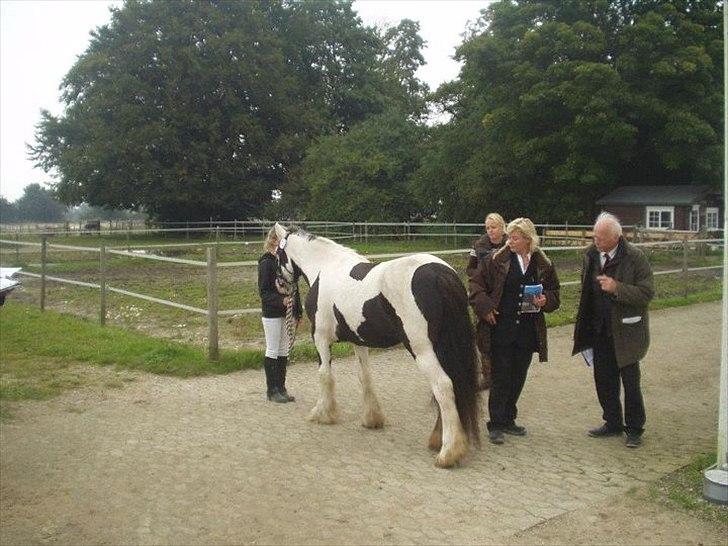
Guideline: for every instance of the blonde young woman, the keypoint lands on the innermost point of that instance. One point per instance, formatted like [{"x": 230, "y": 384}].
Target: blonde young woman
[
  {"x": 510, "y": 332},
  {"x": 493, "y": 239},
  {"x": 274, "y": 305}
]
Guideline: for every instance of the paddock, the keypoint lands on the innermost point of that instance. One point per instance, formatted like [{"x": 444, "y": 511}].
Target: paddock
[{"x": 208, "y": 460}]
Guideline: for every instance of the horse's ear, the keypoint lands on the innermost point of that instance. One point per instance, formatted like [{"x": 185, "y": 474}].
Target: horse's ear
[{"x": 280, "y": 230}]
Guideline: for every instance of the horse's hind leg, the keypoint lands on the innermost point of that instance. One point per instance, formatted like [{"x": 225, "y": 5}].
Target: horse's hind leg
[
  {"x": 325, "y": 411},
  {"x": 373, "y": 416},
  {"x": 435, "y": 441},
  {"x": 454, "y": 441}
]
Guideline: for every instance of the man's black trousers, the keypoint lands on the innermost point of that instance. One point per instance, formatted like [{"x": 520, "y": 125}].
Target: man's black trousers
[{"x": 607, "y": 376}]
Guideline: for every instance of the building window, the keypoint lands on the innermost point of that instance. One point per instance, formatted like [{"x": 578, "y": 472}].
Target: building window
[
  {"x": 695, "y": 218},
  {"x": 660, "y": 217},
  {"x": 711, "y": 218}
]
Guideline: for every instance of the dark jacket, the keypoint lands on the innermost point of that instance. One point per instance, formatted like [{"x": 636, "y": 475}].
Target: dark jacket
[
  {"x": 486, "y": 289},
  {"x": 629, "y": 320},
  {"x": 271, "y": 299},
  {"x": 481, "y": 249}
]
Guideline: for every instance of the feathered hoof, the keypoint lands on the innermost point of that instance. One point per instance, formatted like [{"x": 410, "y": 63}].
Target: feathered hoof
[
  {"x": 373, "y": 421},
  {"x": 323, "y": 417},
  {"x": 451, "y": 457}
]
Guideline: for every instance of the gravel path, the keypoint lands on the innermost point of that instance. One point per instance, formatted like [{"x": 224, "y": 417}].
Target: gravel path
[{"x": 209, "y": 461}]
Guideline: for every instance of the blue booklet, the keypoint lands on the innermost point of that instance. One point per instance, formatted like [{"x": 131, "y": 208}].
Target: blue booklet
[{"x": 530, "y": 291}]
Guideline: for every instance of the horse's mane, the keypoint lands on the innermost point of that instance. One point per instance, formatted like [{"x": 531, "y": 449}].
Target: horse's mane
[{"x": 332, "y": 245}]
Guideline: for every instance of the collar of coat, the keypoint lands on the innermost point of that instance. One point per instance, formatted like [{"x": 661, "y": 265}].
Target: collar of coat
[
  {"x": 504, "y": 254},
  {"x": 623, "y": 248}
]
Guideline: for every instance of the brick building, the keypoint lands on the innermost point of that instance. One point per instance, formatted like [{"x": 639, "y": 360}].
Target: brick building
[{"x": 688, "y": 208}]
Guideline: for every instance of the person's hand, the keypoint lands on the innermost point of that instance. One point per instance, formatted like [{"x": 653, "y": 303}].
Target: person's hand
[
  {"x": 286, "y": 301},
  {"x": 608, "y": 284},
  {"x": 490, "y": 317},
  {"x": 281, "y": 287},
  {"x": 539, "y": 300}
]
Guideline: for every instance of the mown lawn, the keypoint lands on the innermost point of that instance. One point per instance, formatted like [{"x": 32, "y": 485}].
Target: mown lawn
[{"x": 44, "y": 353}]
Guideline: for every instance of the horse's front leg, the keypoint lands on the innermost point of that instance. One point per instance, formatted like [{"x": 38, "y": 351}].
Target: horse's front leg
[
  {"x": 372, "y": 416},
  {"x": 325, "y": 411}
]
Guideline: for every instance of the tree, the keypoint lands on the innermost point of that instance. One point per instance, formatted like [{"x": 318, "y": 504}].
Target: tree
[
  {"x": 192, "y": 109},
  {"x": 8, "y": 212},
  {"x": 559, "y": 102},
  {"x": 364, "y": 175},
  {"x": 38, "y": 204}
]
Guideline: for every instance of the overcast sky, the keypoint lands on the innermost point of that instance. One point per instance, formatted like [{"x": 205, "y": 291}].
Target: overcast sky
[{"x": 41, "y": 40}]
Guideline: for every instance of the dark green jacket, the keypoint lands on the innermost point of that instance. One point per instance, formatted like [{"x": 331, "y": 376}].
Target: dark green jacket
[{"x": 628, "y": 305}]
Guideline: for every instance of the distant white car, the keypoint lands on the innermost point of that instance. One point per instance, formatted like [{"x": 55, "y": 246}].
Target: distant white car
[{"x": 7, "y": 282}]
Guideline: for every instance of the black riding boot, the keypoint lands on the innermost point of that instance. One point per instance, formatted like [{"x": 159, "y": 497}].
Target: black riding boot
[
  {"x": 271, "y": 381},
  {"x": 281, "y": 375}
]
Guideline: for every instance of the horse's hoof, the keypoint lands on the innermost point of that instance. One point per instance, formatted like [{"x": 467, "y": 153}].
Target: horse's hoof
[
  {"x": 445, "y": 461},
  {"x": 373, "y": 422},
  {"x": 322, "y": 418}
]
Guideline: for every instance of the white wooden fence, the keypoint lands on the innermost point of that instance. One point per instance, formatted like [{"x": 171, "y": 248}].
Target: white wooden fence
[{"x": 211, "y": 264}]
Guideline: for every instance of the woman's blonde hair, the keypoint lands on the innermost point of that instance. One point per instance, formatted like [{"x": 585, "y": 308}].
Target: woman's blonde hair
[
  {"x": 271, "y": 241},
  {"x": 527, "y": 229},
  {"x": 497, "y": 218}
]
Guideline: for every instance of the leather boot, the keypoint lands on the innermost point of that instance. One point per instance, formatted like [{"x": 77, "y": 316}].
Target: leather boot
[
  {"x": 271, "y": 381},
  {"x": 281, "y": 374}
]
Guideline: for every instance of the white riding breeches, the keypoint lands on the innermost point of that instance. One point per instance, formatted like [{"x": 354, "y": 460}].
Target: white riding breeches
[{"x": 276, "y": 337}]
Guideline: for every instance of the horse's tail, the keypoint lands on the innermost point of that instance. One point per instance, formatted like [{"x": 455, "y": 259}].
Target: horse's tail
[{"x": 454, "y": 344}]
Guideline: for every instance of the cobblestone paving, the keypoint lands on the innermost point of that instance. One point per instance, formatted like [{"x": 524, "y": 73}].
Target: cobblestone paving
[{"x": 209, "y": 461}]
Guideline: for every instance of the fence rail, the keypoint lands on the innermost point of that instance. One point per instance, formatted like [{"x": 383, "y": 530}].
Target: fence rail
[{"x": 213, "y": 312}]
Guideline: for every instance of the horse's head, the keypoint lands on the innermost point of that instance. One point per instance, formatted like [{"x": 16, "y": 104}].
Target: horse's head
[{"x": 286, "y": 266}]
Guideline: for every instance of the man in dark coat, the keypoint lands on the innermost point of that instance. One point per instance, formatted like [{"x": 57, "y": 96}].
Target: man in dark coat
[{"x": 612, "y": 326}]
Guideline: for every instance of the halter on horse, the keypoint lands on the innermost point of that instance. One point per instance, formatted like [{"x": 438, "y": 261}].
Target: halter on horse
[{"x": 416, "y": 300}]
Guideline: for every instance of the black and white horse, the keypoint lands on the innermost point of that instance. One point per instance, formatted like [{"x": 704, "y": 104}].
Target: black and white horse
[{"x": 416, "y": 300}]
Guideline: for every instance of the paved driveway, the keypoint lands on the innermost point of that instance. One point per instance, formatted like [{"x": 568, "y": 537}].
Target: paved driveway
[{"x": 208, "y": 460}]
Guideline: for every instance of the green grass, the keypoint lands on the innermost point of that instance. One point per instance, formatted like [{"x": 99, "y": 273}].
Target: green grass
[
  {"x": 29, "y": 333},
  {"x": 40, "y": 353},
  {"x": 683, "y": 490}
]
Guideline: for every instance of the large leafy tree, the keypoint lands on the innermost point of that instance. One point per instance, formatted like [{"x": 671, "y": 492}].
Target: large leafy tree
[
  {"x": 38, "y": 204},
  {"x": 364, "y": 175},
  {"x": 559, "y": 102},
  {"x": 192, "y": 109}
]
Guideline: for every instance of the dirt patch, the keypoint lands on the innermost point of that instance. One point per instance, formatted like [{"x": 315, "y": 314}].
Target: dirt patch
[{"x": 207, "y": 460}]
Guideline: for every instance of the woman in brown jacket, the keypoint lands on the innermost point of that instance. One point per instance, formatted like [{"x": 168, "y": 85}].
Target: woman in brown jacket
[
  {"x": 493, "y": 239},
  {"x": 511, "y": 326}
]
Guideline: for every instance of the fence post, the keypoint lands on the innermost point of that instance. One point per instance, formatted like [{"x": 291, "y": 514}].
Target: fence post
[
  {"x": 17, "y": 248},
  {"x": 102, "y": 284},
  {"x": 685, "y": 266},
  {"x": 212, "y": 346},
  {"x": 43, "y": 255},
  {"x": 366, "y": 231}
]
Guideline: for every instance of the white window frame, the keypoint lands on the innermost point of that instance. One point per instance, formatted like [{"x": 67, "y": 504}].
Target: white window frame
[
  {"x": 694, "y": 215},
  {"x": 660, "y": 210},
  {"x": 711, "y": 212}
]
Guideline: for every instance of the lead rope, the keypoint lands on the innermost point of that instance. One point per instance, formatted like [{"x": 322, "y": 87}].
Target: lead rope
[{"x": 290, "y": 319}]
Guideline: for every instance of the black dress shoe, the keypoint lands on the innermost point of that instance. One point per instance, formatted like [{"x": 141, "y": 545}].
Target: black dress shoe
[
  {"x": 515, "y": 430},
  {"x": 603, "y": 431},
  {"x": 496, "y": 436},
  {"x": 633, "y": 440}
]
